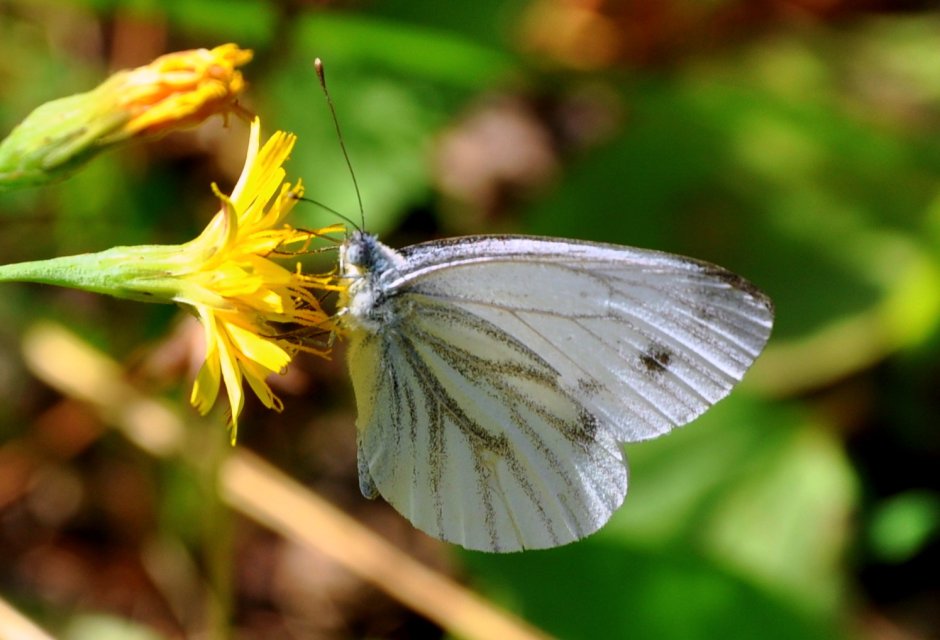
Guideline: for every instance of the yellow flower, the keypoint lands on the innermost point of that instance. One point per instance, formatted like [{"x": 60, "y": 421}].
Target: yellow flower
[
  {"x": 174, "y": 91},
  {"x": 257, "y": 314},
  {"x": 240, "y": 295}
]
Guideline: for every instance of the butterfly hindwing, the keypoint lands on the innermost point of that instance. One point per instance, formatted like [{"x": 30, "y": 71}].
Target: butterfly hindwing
[{"x": 471, "y": 436}]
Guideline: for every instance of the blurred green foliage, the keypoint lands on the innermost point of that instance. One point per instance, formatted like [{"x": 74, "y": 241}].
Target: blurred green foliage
[{"x": 801, "y": 154}]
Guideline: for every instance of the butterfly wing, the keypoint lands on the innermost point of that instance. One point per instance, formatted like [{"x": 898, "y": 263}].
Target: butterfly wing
[
  {"x": 492, "y": 402},
  {"x": 468, "y": 434}
]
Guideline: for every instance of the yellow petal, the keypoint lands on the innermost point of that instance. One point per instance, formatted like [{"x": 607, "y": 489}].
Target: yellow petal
[
  {"x": 257, "y": 379},
  {"x": 231, "y": 375},
  {"x": 206, "y": 387},
  {"x": 253, "y": 142},
  {"x": 258, "y": 349}
]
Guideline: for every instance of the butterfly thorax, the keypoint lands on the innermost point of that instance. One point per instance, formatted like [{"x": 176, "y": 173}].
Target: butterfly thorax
[{"x": 368, "y": 266}]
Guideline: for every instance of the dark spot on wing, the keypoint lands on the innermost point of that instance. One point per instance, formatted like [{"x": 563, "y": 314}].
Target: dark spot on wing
[
  {"x": 656, "y": 359},
  {"x": 590, "y": 388},
  {"x": 587, "y": 427},
  {"x": 704, "y": 314},
  {"x": 735, "y": 281}
]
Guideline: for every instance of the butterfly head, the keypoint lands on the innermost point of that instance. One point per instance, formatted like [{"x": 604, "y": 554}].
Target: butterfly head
[
  {"x": 359, "y": 254},
  {"x": 367, "y": 265},
  {"x": 363, "y": 256}
]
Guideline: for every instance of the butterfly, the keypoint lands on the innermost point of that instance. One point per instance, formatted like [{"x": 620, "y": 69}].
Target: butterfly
[{"x": 497, "y": 376}]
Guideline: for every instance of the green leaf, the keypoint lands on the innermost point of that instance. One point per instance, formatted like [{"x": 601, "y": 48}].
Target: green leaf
[
  {"x": 902, "y": 525},
  {"x": 601, "y": 589}
]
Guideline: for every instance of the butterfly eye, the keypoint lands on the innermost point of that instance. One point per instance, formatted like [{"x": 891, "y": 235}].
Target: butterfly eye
[
  {"x": 362, "y": 252},
  {"x": 358, "y": 255},
  {"x": 352, "y": 255}
]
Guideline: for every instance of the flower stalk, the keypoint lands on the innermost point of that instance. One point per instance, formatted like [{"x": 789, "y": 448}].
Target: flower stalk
[{"x": 141, "y": 273}]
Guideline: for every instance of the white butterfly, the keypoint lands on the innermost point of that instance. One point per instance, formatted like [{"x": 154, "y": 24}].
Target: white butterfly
[{"x": 496, "y": 376}]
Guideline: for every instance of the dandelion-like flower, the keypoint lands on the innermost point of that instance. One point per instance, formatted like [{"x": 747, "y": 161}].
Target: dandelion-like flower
[
  {"x": 174, "y": 91},
  {"x": 242, "y": 296},
  {"x": 256, "y": 313}
]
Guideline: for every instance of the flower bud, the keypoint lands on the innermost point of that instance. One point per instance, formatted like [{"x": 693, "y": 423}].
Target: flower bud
[{"x": 174, "y": 91}]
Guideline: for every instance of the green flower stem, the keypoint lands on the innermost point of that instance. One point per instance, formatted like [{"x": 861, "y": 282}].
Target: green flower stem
[{"x": 143, "y": 273}]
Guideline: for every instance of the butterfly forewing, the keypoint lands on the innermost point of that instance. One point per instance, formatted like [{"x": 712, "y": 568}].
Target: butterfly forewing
[
  {"x": 504, "y": 371},
  {"x": 647, "y": 340}
]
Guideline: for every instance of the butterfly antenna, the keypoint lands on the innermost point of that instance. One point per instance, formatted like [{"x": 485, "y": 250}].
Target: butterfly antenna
[
  {"x": 328, "y": 208},
  {"x": 321, "y": 76}
]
